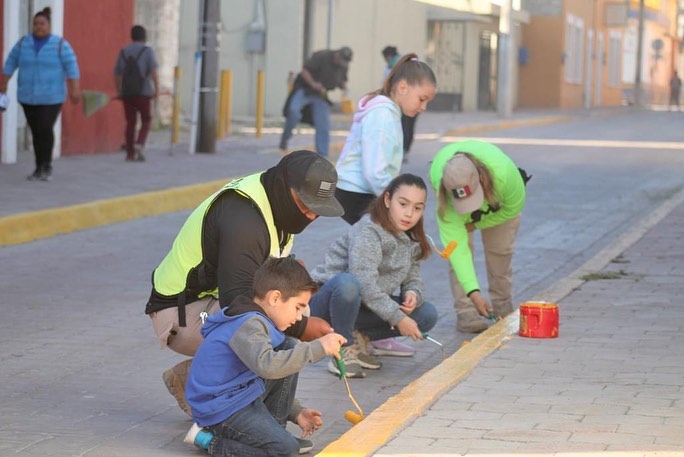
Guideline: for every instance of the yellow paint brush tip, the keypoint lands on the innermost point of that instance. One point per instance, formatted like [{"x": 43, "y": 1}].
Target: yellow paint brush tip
[
  {"x": 352, "y": 417},
  {"x": 449, "y": 249}
]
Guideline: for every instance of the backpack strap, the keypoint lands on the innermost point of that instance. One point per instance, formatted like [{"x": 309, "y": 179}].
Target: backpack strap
[
  {"x": 137, "y": 57},
  {"x": 59, "y": 54},
  {"x": 144, "y": 48},
  {"x": 20, "y": 44}
]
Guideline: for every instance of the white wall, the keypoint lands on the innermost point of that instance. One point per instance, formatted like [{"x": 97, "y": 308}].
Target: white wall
[
  {"x": 366, "y": 26},
  {"x": 284, "y": 24}
]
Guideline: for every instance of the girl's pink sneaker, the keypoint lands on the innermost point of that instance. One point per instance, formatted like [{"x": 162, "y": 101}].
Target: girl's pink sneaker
[{"x": 392, "y": 347}]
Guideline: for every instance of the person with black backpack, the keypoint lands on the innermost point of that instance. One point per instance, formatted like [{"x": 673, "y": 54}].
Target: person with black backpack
[{"x": 134, "y": 73}]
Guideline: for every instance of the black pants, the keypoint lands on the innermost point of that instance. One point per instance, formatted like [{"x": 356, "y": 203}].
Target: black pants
[
  {"x": 408, "y": 125},
  {"x": 41, "y": 120},
  {"x": 354, "y": 204}
]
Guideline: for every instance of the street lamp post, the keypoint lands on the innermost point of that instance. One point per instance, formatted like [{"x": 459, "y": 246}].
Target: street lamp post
[
  {"x": 504, "y": 76},
  {"x": 206, "y": 141},
  {"x": 640, "y": 42}
]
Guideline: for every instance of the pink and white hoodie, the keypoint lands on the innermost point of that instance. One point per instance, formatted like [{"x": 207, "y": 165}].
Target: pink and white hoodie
[{"x": 373, "y": 152}]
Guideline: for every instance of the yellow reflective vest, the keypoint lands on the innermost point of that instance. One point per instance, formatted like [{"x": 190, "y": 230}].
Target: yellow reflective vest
[{"x": 170, "y": 278}]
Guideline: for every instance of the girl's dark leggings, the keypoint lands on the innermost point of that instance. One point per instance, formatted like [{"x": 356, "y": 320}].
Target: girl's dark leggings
[{"x": 41, "y": 120}]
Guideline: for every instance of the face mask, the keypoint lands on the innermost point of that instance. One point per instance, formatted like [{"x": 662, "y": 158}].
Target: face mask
[{"x": 286, "y": 214}]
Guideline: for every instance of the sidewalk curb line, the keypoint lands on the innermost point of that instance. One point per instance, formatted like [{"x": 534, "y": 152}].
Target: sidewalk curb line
[
  {"x": 35, "y": 225},
  {"x": 399, "y": 411},
  {"x": 563, "y": 287},
  {"x": 507, "y": 124}
]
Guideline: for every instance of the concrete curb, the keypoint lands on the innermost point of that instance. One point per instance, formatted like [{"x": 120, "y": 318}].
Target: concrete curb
[
  {"x": 383, "y": 424},
  {"x": 507, "y": 124},
  {"x": 31, "y": 226}
]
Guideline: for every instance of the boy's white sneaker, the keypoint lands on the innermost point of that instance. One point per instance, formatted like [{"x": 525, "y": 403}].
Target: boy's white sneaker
[{"x": 197, "y": 436}]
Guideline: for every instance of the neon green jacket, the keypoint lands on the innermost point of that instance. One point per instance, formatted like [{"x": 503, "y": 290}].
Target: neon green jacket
[{"x": 508, "y": 187}]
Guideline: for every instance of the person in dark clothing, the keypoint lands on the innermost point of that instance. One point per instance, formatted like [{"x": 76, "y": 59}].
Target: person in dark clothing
[
  {"x": 135, "y": 88},
  {"x": 325, "y": 70},
  {"x": 222, "y": 244},
  {"x": 242, "y": 408}
]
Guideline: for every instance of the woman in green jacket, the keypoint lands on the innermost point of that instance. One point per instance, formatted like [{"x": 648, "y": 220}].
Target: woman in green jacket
[{"x": 478, "y": 188}]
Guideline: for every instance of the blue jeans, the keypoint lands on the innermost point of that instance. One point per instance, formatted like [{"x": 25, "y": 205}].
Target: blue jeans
[
  {"x": 338, "y": 301},
  {"x": 258, "y": 430},
  {"x": 371, "y": 325},
  {"x": 320, "y": 111}
]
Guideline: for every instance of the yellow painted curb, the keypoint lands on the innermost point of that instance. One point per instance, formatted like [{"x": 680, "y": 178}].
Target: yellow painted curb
[
  {"x": 399, "y": 411},
  {"x": 507, "y": 124},
  {"x": 26, "y": 227}
]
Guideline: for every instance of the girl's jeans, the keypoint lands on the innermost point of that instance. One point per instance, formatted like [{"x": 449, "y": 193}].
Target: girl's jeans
[
  {"x": 339, "y": 302},
  {"x": 258, "y": 430}
]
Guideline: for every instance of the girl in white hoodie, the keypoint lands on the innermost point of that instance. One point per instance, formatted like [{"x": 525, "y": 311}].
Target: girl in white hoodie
[{"x": 373, "y": 152}]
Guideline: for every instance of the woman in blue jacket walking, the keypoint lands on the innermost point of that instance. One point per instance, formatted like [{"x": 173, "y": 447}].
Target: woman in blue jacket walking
[{"x": 44, "y": 61}]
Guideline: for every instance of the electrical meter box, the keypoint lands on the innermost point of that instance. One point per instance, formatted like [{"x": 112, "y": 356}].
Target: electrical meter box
[{"x": 255, "y": 41}]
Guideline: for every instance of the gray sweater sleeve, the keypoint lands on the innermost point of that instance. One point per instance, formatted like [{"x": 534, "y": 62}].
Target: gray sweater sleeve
[
  {"x": 365, "y": 256},
  {"x": 252, "y": 344}
]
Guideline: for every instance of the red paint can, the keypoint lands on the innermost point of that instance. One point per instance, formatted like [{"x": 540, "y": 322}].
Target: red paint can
[{"x": 538, "y": 319}]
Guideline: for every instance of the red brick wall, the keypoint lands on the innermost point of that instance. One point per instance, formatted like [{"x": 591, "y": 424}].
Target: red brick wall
[{"x": 97, "y": 30}]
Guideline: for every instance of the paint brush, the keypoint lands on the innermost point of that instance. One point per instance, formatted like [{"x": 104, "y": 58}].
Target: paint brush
[
  {"x": 446, "y": 252},
  {"x": 351, "y": 416},
  {"x": 432, "y": 340}
]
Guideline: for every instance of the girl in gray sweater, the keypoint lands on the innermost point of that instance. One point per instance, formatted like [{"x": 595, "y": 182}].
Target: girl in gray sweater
[{"x": 364, "y": 269}]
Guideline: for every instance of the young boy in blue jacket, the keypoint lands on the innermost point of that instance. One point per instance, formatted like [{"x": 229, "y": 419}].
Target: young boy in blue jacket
[{"x": 243, "y": 379}]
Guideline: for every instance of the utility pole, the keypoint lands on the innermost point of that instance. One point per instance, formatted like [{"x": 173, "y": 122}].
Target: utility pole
[
  {"x": 504, "y": 71},
  {"x": 640, "y": 45},
  {"x": 209, "y": 47},
  {"x": 308, "y": 21},
  {"x": 330, "y": 24}
]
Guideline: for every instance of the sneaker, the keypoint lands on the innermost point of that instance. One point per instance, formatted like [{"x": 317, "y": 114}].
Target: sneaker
[
  {"x": 351, "y": 363},
  {"x": 365, "y": 358},
  {"x": 139, "y": 156},
  {"x": 391, "y": 347},
  {"x": 200, "y": 437},
  {"x": 46, "y": 175},
  {"x": 35, "y": 176},
  {"x": 304, "y": 445},
  {"x": 470, "y": 322},
  {"x": 175, "y": 378}
]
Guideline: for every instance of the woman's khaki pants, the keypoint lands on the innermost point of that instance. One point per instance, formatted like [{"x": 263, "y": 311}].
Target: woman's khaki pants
[{"x": 498, "y": 243}]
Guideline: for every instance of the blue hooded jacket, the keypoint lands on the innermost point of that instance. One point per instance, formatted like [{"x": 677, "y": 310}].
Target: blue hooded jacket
[
  {"x": 42, "y": 74},
  {"x": 220, "y": 384}
]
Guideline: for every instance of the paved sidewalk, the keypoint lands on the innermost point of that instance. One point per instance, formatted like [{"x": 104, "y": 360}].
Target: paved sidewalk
[{"x": 613, "y": 381}]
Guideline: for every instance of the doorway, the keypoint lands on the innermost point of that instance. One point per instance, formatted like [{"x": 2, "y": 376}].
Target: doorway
[
  {"x": 445, "y": 51},
  {"x": 486, "y": 81}
]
